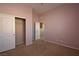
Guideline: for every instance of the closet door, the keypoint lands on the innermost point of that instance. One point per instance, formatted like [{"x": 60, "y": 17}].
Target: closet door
[{"x": 7, "y": 35}]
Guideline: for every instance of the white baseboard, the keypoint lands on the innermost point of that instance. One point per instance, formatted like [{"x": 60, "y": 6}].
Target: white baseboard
[{"x": 63, "y": 45}]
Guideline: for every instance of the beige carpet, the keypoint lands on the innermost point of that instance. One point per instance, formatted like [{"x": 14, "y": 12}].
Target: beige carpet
[{"x": 41, "y": 48}]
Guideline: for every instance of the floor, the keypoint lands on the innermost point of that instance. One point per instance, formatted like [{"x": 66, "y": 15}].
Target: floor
[{"x": 41, "y": 48}]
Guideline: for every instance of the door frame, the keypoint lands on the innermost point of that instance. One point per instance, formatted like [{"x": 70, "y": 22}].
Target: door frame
[{"x": 24, "y": 29}]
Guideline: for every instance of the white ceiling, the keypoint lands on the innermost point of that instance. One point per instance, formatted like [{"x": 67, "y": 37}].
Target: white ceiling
[
  {"x": 38, "y": 7},
  {"x": 43, "y": 7}
]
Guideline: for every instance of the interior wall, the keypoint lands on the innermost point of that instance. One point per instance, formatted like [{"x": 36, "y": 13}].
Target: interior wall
[
  {"x": 22, "y": 11},
  {"x": 61, "y": 25}
]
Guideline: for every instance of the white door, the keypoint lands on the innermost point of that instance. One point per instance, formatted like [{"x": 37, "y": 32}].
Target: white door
[
  {"x": 37, "y": 30},
  {"x": 7, "y": 32}
]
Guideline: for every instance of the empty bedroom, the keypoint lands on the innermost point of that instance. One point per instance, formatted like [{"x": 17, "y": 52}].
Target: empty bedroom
[{"x": 39, "y": 29}]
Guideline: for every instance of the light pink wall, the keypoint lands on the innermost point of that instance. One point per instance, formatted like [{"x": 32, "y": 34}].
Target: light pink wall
[
  {"x": 35, "y": 16},
  {"x": 62, "y": 25},
  {"x": 22, "y": 11}
]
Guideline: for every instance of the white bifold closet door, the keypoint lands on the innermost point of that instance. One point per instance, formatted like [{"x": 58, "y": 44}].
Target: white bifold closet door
[{"x": 7, "y": 32}]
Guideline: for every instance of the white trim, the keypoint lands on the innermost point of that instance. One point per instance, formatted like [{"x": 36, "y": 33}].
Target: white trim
[{"x": 63, "y": 45}]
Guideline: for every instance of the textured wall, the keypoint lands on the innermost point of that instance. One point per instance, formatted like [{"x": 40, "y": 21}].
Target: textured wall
[{"x": 61, "y": 25}]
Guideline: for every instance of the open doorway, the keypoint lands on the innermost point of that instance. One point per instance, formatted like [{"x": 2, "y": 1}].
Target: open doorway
[
  {"x": 39, "y": 30},
  {"x": 20, "y": 31}
]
